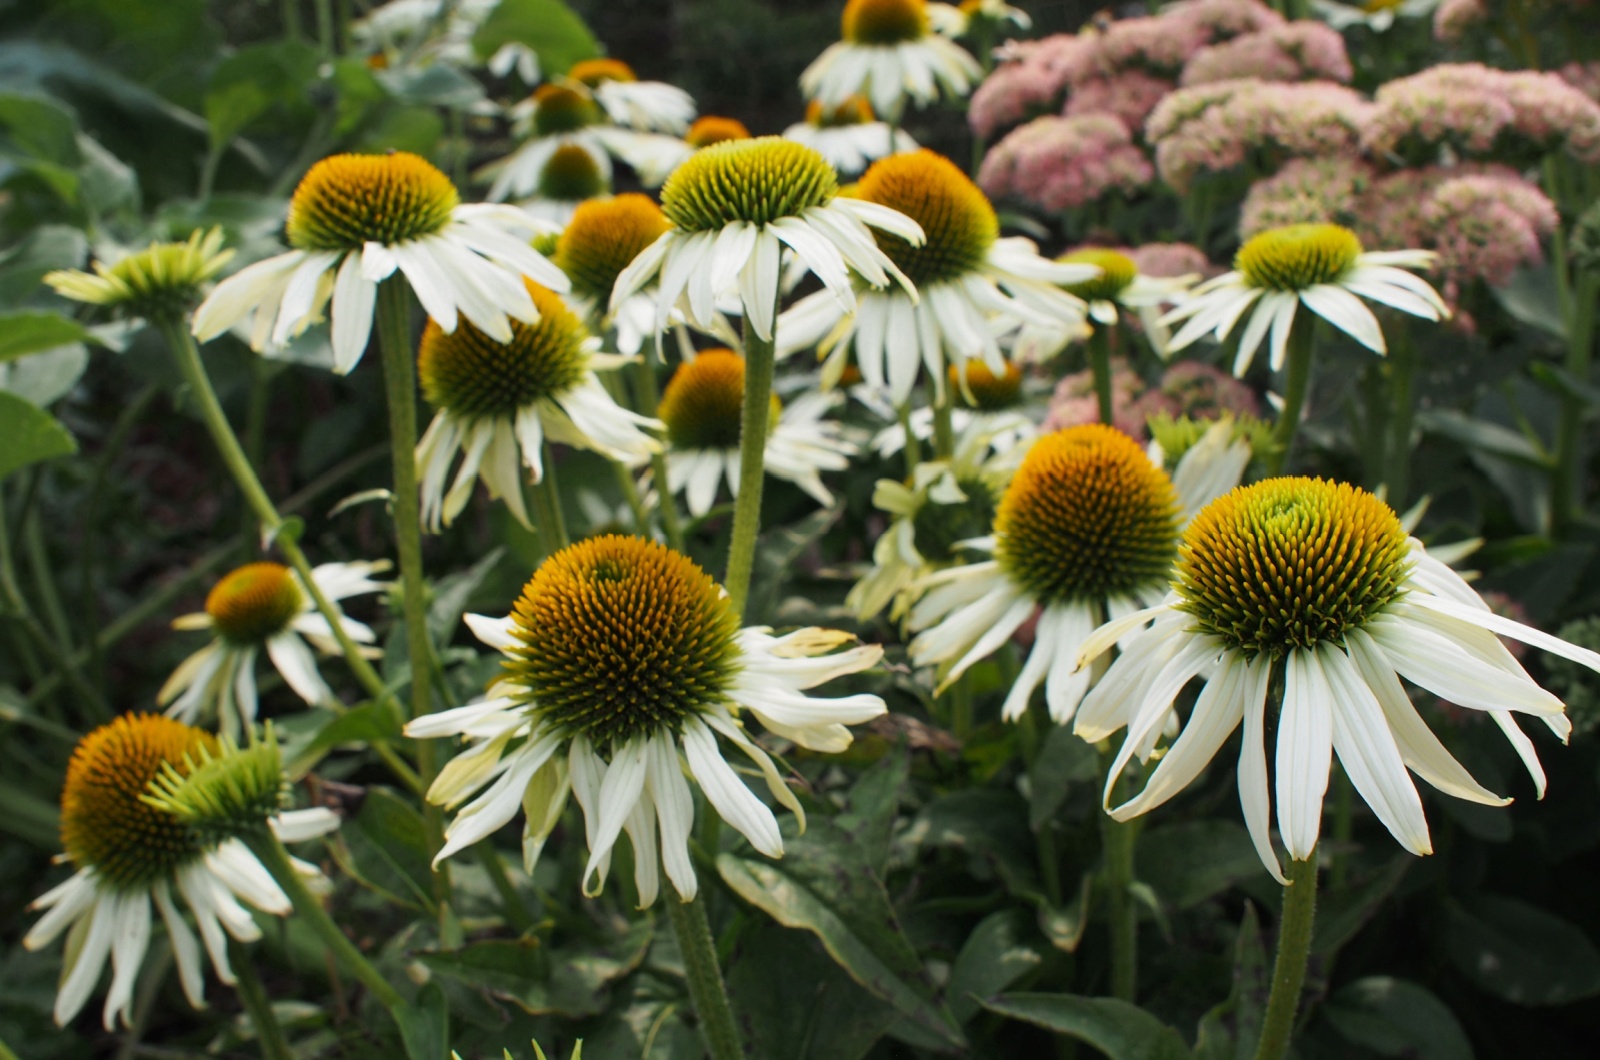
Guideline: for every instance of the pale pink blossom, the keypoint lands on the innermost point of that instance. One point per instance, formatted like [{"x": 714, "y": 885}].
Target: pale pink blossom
[
  {"x": 1479, "y": 111},
  {"x": 1030, "y": 81},
  {"x": 1201, "y": 392},
  {"x": 1074, "y": 403},
  {"x": 1129, "y": 95},
  {"x": 1172, "y": 259},
  {"x": 1452, "y": 18},
  {"x": 1585, "y": 77},
  {"x": 1219, "y": 127},
  {"x": 1060, "y": 163},
  {"x": 1294, "y": 51},
  {"x": 1159, "y": 43},
  {"x": 1223, "y": 19},
  {"x": 1305, "y": 191}
]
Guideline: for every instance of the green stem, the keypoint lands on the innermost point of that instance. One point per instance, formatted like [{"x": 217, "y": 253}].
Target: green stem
[
  {"x": 944, "y": 433},
  {"x": 255, "y": 425},
  {"x": 913, "y": 448},
  {"x": 1289, "y": 971},
  {"x": 275, "y": 859},
  {"x": 754, "y": 420},
  {"x": 644, "y": 384},
  {"x": 1100, "y": 366},
  {"x": 400, "y": 391},
  {"x": 1402, "y": 379},
  {"x": 548, "y": 517},
  {"x": 630, "y": 496},
  {"x": 274, "y": 1046},
  {"x": 705, "y": 979},
  {"x": 1122, "y": 915},
  {"x": 1300, "y": 345}
]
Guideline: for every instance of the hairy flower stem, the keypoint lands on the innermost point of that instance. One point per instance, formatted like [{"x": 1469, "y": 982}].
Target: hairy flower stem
[
  {"x": 705, "y": 979},
  {"x": 644, "y": 381},
  {"x": 1297, "y": 383},
  {"x": 1289, "y": 971},
  {"x": 944, "y": 434},
  {"x": 1100, "y": 367},
  {"x": 1122, "y": 915},
  {"x": 400, "y": 390},
  {"x": 274, "y": 1046},
  {"x": 753, "y": 422},
  {"x": 193, "y": 371},
  {"x": 275, "y": 859}
]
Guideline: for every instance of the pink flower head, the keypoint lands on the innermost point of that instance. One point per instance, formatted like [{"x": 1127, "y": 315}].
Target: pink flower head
[
  {"x": 1221, "y": 20},
  {"x": 1479, "y": 111},
  {"x": 1294, "y": 51},
  {"x": 1061, "y": 163},
  {"x": 1172, "y": 259},
  {"x": 1452, "y": 18},
  {"x": 1218, "y": 127},
  {"x": 1129, "y": 95},
  {"x": 1485, "y": 226},
  {"x": 1160, "y": 44},
  {"x": 1305, "y": 191},
  {"x": 1031, "y": 81},
  {"x": 1074, "y": 403},
  {"x": 1201, "y": 392},
  {"x": 1585, "y": 77}
]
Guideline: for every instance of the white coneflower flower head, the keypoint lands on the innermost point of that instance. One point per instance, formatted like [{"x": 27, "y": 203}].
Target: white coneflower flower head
[
  {"x": 356, "y": 219},
  {"x": 1321, "y": 266},
  {"x": 499, "y": 401},
  {"x": 625, "y": 662},
  {"x": 891, "y": 52},
  {"x": 1318, "y": 580},
  {"x": 849, "y": 135},
  {"x": 164, "y": 280},
  {"x": 734, "y": 206},
  {"x": 652, "y": 106},
  {"x": 130, "y": 849}
]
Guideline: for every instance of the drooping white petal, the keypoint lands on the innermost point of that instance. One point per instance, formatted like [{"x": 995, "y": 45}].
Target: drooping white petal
[{"x": 1305, "y": 753}]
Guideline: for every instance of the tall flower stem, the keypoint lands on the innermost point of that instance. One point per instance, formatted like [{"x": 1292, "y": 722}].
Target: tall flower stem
[
  {"x": 400, "y": 391},
  {"x": 1122, "y": 915},
  {"x": 754, "y": 420},
  {"x": 552, "y": 523},
  {"x": 944, "y": 433},
  {"x": 1100, "y": 368},
  {"x": 1289, "y": 971},
  {"x": 913, "y": 448},
  {"x": 1402, "y": 379},
  {"x": 275, "y": 859},
  {"x": 705, "y": 979},
  {"x": 274, "y": 1046},
  {"x": 644, "y": 382},
  {"x": 1296, "y": 385}
]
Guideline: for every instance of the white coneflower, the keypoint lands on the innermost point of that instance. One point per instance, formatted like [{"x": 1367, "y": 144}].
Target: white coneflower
[
  {"x": 626, "y": 663},
  {"x": 652, "y": 106},
  {"x": 964, "y": 275},
  {"x": 1087, "y": 529},
  {"x": 498, "y": 402},
  {"x": 958, "y": 21},
  {"x": 567, "y": 115},
  {"x": 1321, "y": 266},
  {"x": 714, "y": 129},
  {"x": 848, "y": 135},
  {"x": 133, "y": 846},
  {"x": 1318, "y": 581},
  {"x": 571, "y": 177},
  {"x": 162, "y": 281},
  {"x": 1120, "y": 285},
  {"x": 264, "y": 607},
  {"x": 734, "y": 206},
  {"x": 890, "y": 53},
  {"x": 600, "y": 241},
  {"x": 354, "y": 220},
  {"x": 700, "y": 408}
]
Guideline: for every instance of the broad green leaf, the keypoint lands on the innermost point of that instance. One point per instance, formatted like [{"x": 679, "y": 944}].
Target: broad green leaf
[
  {"x": 999, "y": 951},
  {"x": 436, "y": 85},
  {"x": 39, "y": 127},
  {"x": 1063, "y": 761},
  {"x": 798, "y": 1004},
  {"x": 29, "y": 434},
  {"x": 989, "y": 825},
  {"x": 824, "y": 885},
  {"x": 451, "y": 594},
  {"x": 1232, "y": 1029},
  {"x": 43, "y": 377},
  {"x": 780, "y": 548},
  {"x": 1119, "y": 1030},
  {"x": 1190, "y": 862},
  {"x": 1519, "y": 952},
  {"x": 368, "y": 723},
  {"x": 644, "y": 1023},
  {"x": 552, "y": 29},
  {"x": 1531, "y": 298},
  {"x": 30, "y": 331},
  {"x": 874, "y": 802},
  {"x": 425, "y": 1025},
  {"x": 254, "y": 80},
  {"x": 1483, "y": 435},
  {"x": 44, "y": 248},
  {"x": 1342, "y": 913},
  {"x": 570, "y": 981},
  {"x": 387, "y": 849},
  {"x": 1393, "y": 1017}
]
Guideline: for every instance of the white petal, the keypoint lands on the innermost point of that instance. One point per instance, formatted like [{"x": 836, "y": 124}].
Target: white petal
[
  {"x": 733, "y": 801},
  {"x": 1305, "y": 753},
  {"x": 619, "y": 790}
]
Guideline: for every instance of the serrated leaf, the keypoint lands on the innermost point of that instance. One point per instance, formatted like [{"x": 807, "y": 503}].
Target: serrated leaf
[
  {"x": 575, "y": 980},
  {"x": 29, "y": 434},
  {"x": 1394, "y": 1017},
  {"x": 1119, "y": 1030},
  {"x": 1519, "y": 952}
]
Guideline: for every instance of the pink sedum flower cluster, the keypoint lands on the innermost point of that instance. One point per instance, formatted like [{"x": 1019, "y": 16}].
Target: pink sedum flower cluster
[
  {"x": 1074, "y": 404},
  {"x": 1167, "y": 260},
  {"x": 1030, "y": 80},
  {"x": 1294, "y": 51},
  {"x": 1452, "y": 18},
  {"x": 1215, "y": 128},
  {"x": 1485, "y": 227},
  {"x": 1585, "y": 77},
  {"x": 1188, "y": 388},
  {"x": 1305, "y": 191},
  {"x": 1063, "y": 163},
  {"x": 1481, "y": 112}
]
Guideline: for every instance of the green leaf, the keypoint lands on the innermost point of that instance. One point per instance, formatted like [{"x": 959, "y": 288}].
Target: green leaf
[
  {"x": 1393, "y": 1017},
  {"x": 31, "y": 331},
  {"x": 988, "y": 824},
  {"x": 1063, "y": 761},
  {"x": 253, "y": 81},
  {"x": 368, "y": 723},
  {"x": 1521, "y": 953},
  {"x": 798, "y": 1004},
  {"x": 825, "y": 886},
  {"x": 1231, "y": 1030},
  {"x": 39, "y": 127},
  {"x": 1190, "y": 862},
  {"x": 1342, "y": 913},
  {"x": 996, "y": 954},
  {"x": 1119, "y": 1030},
  {"x": 1483, "y": 435},
  {"x": 388, "y": 850},
  {"x": 425, "y": 1025},
  {"x": 43, "y": 377},
  {"x": 451, "y": 594},
  {"x": 874, "y": 802},
  {"x": 1531, "y": 297},
  {"x": 29, "y": 434},
  {"x": 436, "y": 85},
  {"x": 778, "y": 552},
  {"x": 575, "y": 979},
  {"x": 551, "y": 28}
]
